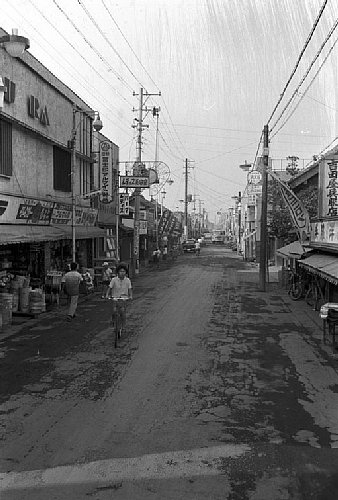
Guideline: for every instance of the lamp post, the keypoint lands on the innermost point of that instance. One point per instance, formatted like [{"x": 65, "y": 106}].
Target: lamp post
[
  {"x": 97, "y": 125},
  {"x": 14, "y": 44}
]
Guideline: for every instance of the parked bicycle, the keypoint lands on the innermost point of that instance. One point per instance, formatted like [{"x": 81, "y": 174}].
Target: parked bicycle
[
  {"x": 303, "y": 285},
  {"x": 296, "y": 285}
]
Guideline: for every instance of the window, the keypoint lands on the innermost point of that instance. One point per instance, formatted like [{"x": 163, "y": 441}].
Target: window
[
  {"x": 61, "y": 169},
  {"x": 6, "y": 160},
  {"x": 86, "y": 177}
]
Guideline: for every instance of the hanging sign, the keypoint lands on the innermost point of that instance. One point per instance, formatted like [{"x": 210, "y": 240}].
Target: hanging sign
[
  {"x": 133, "y": 181},
  {"x": 124, "y": 204},
  {"x": 106, "y": 172}
]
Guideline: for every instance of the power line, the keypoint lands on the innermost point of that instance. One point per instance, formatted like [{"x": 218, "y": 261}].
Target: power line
[
  {"x": 299, "y": 59},
  {"x": 109, "y": 43},
  {"x": 75, "y": 50},
  {"x": 306, "y": 73},
  {"x": 131, "y": 48},
  {"x": 306, "y": 90},
  {"x": 97, "y": 52}
]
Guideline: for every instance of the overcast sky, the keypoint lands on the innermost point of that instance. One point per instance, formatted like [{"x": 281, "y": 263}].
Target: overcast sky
[{"x": 220, "y": 65}]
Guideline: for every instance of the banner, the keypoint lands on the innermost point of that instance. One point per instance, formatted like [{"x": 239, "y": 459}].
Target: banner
[{"x": 299, "y": 214}]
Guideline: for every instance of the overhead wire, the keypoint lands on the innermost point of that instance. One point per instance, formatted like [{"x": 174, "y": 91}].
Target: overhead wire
[
  {"x": 314, "y": 26},
  {"x": 108, "y": 41},
  {"x": 306, "y": 73},
  {"x": 96, "y": 51},
  {"x": 303, "y": 94},
  {"x": 129, "y": 45},
  {"x": 98, "y": 73},
  {"x": 87, "y": 87}
]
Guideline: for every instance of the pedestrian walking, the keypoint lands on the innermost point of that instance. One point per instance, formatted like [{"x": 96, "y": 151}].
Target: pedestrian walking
[
  {"x": 156, "y": 257},
  {"x": 107, "y": 275},
  {"x": 72, "y": 285},
  {"x": 197, "y": 247}
]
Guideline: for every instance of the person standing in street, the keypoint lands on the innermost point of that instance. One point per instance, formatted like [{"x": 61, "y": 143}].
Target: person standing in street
[
  {"x": 72, "y": 285},
  {"x": 107, "y": 275},
  {"x": 197, "y": 247}
]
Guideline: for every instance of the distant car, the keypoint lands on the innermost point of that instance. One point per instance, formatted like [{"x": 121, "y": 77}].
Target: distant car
[
  {"x": 207, "y": 237},
  {"x": 188, "y": 246}
]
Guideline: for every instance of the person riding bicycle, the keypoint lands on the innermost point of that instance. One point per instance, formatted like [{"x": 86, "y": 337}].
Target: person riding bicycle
[{"x": 120, "y": 287}]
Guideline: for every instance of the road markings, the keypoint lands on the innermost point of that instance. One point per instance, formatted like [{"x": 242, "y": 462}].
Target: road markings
[{"x": 175, "y": 464}]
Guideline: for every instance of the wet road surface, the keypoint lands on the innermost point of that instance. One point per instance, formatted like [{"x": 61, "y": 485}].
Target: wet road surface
[{"x": 217, "y": 391}]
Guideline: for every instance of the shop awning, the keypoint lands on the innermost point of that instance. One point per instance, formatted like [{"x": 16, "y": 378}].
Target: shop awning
[
  {"x": 26, "y": 233},
  {"x": 293, "y": 250},
  {"x": 323, "y": 265}
]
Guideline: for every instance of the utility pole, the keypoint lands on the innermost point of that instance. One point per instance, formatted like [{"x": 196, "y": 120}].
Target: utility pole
[
  {"x": 138, "y": 171},
  {"x": 263, "y": 245},
  {"x": 156, "y": 112},
  {"x": 239, "y": 220},
  {"x": 186, "y": 199}
]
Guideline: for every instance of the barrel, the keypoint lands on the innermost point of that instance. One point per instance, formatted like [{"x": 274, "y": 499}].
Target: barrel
[
  {"x": 15, "y": 302},
  {"x": 6, "y": 304},
  {"x": 24, "y": 299},
  {"x": 35, "y": 302},
  {"x": 14, "y": 289}
]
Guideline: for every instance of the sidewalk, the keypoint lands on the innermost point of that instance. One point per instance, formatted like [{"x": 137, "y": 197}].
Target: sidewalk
[{"x": 21, "y": 321}]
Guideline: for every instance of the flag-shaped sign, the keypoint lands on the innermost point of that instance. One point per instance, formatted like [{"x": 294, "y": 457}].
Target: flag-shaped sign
[{"x": 299, "y": 215}]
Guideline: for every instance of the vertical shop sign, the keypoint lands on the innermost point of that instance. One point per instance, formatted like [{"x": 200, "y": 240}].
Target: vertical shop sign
[
  {"x": 124, "y": 204},
  {"x": 106, "y": 173},
  {"x": 331, "y": 188}
]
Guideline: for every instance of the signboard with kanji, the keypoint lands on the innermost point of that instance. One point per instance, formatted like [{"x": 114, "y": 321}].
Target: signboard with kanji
[
  {"x": 106, "y": 172},
  {"x": 254, "y": 177},
  {"x": 124, "y": 204},
  {"x": 328, "y": 182},
  {"x": 133, "y": 181}
]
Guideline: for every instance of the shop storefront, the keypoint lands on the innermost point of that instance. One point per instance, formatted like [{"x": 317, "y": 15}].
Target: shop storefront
[{"x": 36, "y": 236}]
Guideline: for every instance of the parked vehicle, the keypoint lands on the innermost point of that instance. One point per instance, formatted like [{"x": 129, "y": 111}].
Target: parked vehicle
[{"x": 189, "y": 246}]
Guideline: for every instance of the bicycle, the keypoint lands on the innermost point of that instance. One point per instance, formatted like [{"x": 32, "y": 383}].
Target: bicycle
[
  {"x": 314, "y": 294},
  {"x": 119, "y": 316},
  {"x": 296, "y": 285}
]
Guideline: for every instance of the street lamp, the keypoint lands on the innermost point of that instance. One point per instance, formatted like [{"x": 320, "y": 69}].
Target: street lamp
[
  {"x": 97, "y": 126},
  {"x": 15, "y": 45}
]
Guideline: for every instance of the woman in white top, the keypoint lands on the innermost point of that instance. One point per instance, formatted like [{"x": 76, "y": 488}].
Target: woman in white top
[{"x": 119, "y": 287}]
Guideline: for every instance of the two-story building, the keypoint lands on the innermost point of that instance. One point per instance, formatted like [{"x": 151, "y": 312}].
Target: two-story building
[{"x": 46, "y": 171}]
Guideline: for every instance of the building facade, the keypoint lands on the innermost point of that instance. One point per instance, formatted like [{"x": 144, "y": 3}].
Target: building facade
[{"x": 43, "y": 186}]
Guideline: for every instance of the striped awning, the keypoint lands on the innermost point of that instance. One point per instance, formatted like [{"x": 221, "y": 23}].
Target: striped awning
[{"x": 323, "y": 265}]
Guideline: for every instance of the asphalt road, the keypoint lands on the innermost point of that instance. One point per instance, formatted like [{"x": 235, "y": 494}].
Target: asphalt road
[{"x": 217, "y": 391}]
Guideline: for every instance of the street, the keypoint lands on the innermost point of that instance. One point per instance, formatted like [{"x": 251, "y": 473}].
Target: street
[{"x": 217, "y": 391}]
